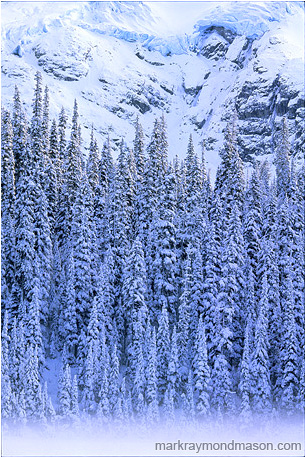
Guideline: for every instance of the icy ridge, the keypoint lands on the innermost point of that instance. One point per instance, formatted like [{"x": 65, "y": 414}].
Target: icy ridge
[{"x": 136, "y": 22}]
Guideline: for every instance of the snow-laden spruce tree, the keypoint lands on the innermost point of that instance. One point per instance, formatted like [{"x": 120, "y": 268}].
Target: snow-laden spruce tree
[
  {"x": 43, "y": 246},
  {"x": 72, "y": 172},
  {"x": 151, "y": 378},
  {"x": 259, "y": 374},
  {"x": 183, "y": 325},
  {"x": 19, "y": 133},
  {"x": 244, "y": 376},
  {"x": 113, "y": 388},
  {"x": 163, "y": 270},
  {"x": 212, "y": 271},
  {"x": 8, "y": 194},
  {"x": 202, "y": 373},
  {"x": 16, "y": 355},
  {"x": 297, "y": 221},
  {"x": 134, "y": 291},
  {"x": 188, "y": 408},
  {"x": 192, "y": 196},
  {"x": 64, "y": 391},
  {"x": 196, "y": 295},
  {"x": 269, "y": 265},
  {"x": 33, "y": 318},
  {"x": 80, "y": 243},
  {"x": 53, "y": 172},
  {"x": 222, "y": 387},
  {"x": 88, "y": 395},
  {"x": 36, "y": 124},
  {"x": 153, "y": 175},
  {"x": 25, "y": 227},
  {"x": 62, "y": 143},
  {"x": 61, "y": 210},
  {"x": 103, "y": 409},
  {"x": 138, "y": 380},
  {"x": 68, "y": 319},
  {"x": 252, "y": 224},
  {"x": 6, "y": 387},
  {"x": 228, "y": 312},
  {"x": 139, "y": 149},
  {"x": 163, "y": 353},
  {"x": 173, "y": 368},
  {"x": 249, "y": 307},
  {"x": 92, "y": 166},
  {"x": 121, "y": 194},
  {"x": 229, "y": 184},
  {"x": 289, "y": 348},
  {"x": 32, "y": 386}
]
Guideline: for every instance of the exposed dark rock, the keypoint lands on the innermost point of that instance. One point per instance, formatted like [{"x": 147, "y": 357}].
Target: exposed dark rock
[
  {"x": 260, "y": 106},
  {"x": 167, "y": 89},
  {"x": 140, "y": 104},
  {"x": 193, "y": 91},
  {"x": 244, "y": 54},
  {"x": 213, "y": 42},
  {"x": 157, "y": 64},
  {"x": 139, "y": 56},
  {"x": 225, "y": 33},
  {"x": 214, "y": 48},
  {"x": 200, "y": 124}
]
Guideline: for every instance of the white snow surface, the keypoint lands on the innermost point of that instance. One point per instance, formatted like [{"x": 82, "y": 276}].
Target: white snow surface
[{"x": 126, "y": 50}]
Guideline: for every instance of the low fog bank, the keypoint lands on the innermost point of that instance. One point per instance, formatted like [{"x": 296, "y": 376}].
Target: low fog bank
[{"x": 215, "y": 438}]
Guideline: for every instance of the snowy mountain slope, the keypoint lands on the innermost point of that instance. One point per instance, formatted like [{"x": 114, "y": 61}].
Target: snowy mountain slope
[{"x": 118, "y": 60}]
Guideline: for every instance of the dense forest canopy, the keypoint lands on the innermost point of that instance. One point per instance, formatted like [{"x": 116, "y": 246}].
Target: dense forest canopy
[{"x": 163, "y": 295}]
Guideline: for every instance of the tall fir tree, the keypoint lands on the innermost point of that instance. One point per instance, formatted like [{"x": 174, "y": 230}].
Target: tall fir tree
[
  {"x": 8, "y": 193},
  {"x": 244, "y": 384},
  {"x": 164, "y": 263},
  {"x": 259, "y": 374},
  {"x": 201, "y": 371},
  {"x": 163, "y": 353}
]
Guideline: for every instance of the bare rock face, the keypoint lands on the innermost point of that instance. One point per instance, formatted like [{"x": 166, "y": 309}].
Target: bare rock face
[
  {"x": 214, "y": 42},
  {"x": 261, "y": 94},
  {"x": 260, "y": 105}
]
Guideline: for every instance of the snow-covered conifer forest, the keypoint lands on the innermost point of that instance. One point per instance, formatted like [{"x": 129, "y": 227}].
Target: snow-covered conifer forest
[{"x": 140, "y": 290}]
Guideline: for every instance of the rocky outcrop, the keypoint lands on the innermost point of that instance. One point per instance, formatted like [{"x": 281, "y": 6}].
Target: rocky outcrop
[
  {"x": 214, "y": 42},
  {"x": 260, "y": 106}
]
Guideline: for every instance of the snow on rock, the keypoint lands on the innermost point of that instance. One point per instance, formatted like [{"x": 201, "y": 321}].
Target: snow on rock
[{"x": 123, "y": 59}]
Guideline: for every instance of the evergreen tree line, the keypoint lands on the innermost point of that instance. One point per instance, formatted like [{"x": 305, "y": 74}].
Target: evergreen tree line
[{"x": 161, "y": 296}]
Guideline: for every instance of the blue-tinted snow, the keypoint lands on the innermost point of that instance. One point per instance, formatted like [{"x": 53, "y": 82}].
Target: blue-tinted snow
[{"x": 251, "y": 19}]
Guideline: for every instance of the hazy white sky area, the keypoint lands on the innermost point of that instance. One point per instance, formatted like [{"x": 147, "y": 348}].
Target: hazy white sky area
[{"x": 180, "y": 16}]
